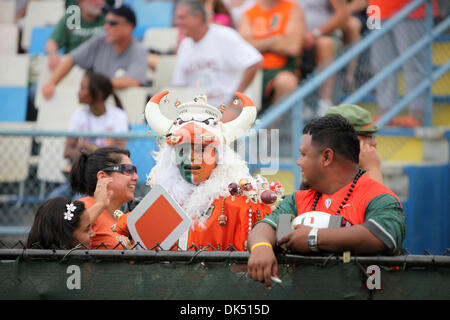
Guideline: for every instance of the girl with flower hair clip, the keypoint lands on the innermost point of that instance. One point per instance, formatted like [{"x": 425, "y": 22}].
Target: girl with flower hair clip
[{"x": 61, "y": 224}]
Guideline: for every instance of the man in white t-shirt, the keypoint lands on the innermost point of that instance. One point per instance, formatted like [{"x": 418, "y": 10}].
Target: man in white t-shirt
[{"x": 213, "y": 57}]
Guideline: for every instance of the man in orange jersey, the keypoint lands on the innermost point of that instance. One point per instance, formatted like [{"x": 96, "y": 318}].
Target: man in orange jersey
[
  {"x": 275, "y": 28},
  {"x": 371, "y": 213}
]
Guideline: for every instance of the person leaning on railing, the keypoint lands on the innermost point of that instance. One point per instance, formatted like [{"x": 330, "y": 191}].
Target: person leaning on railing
[
  {"x": 329, "y": 155},
  {"x": 108, "y": 178}
]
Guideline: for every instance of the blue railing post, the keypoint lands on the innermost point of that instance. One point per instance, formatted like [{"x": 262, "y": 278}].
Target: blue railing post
[
  {"x": 297, "y": 129},
  {"x": 429, "y": 63}
]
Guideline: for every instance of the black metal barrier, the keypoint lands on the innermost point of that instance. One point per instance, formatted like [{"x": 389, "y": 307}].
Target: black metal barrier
[{"x": 217, "y": 275}]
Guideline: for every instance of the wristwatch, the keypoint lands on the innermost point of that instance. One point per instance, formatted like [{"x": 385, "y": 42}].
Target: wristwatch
[{"x": 312, "y": 240}]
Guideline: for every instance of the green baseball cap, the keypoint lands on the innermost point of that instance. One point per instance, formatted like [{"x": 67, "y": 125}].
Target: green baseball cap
[{"x": 359, "y": 118}]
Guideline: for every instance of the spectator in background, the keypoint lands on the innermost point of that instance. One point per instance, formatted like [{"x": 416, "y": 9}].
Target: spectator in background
[
  {"x": 92, "y": 20},
  {"x": 356, "y": 25},
  {"x": 323, "y": 40},
  {"x": 237, "y": 8},
  {"x": 94, "y": 116},
  {"x": 212, "y": 57},
  {"x": 116, "y": 55},
  {"x": 61, "y": 224},
  {"x": 393, "y": 44},
  {"x": 361, "y": 120},
  {"x": 275, "y": 28},
  {"x": 108, "y": 178},
  {"x": 21, "y": 10},
  {"x": 217, "y": 12}
]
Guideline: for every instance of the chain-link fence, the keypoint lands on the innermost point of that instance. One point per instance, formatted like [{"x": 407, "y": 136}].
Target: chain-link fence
[
  {"x": 221, "y": 275},
  {"x": 34, "y": 169}
]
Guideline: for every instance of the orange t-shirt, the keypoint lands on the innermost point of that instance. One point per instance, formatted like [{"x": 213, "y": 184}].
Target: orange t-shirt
[
  {"x": 265, "y": 23},
  {"x": 104, "y": 236},
  {"x": 240, "y": 217},
  {"x": 391, "y": 7}
]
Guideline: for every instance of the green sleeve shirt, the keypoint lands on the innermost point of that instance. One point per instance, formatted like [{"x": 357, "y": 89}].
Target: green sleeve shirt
[
  {"x": 69, "y": 37},
  {"x": 383, "y": 217}
]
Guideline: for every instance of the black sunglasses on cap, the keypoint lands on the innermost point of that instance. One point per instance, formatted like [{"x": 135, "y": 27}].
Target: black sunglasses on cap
[{"x": 126, "y": 168}]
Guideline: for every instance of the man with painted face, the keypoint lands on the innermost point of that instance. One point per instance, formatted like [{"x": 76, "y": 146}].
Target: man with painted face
[{"x": 196, "y": 165}]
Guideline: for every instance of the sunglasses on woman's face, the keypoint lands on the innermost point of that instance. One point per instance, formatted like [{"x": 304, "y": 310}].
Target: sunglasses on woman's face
[{"x": 126, "y": 168}]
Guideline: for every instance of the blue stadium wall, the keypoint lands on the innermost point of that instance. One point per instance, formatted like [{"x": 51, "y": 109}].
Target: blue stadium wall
[{"x": 427, "y": 209}]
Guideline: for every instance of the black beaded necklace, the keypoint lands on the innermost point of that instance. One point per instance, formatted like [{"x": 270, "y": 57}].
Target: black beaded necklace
[{"x": 350, "y": 190}]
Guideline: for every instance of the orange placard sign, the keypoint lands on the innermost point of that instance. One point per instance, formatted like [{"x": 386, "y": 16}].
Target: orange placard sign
[{"x": 157, "y": 221}]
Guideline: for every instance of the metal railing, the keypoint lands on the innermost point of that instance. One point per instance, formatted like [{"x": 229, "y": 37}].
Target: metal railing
[
  {"x": 295, "y": 102},
  {"x": 24, "y": 186}
]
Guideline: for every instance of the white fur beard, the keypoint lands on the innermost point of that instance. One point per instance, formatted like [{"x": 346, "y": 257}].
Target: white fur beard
[{"x": 196, "y": 199}]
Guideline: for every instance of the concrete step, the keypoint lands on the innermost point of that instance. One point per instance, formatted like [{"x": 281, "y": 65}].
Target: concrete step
[
  {"x": 414, "y": 146},
  {"x": 441, "y": 52},
  {"x": 441, "y": 111}
]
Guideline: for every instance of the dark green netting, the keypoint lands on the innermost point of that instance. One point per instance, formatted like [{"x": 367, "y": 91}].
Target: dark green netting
[{"x": 104, "y": 274}]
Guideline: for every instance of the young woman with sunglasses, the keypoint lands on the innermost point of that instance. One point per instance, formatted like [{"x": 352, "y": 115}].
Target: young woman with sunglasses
[{"x": 108, "y": 178}]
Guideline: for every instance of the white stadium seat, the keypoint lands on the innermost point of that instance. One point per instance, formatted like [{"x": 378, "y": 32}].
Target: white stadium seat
[
  {"x": 163, "y": 40},
  {"x": 7, "y": 11},
  {"x": 40, "y": 13},
  {"x": 9, "y": 33}
]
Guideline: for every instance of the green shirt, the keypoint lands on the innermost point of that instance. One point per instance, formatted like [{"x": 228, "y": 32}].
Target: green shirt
[
  {"x": 383, "y": 216},
  {"x": 70, "y": 38}
]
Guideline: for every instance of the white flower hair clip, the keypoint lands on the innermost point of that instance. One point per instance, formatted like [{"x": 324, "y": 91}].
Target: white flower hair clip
[{"x": 70, "y": 208}]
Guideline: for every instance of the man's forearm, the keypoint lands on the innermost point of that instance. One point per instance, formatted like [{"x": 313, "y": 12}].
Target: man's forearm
[
  {"x": 262, "y": 232},
  {"x": 51, "y": 47},
  {"x": 248, "y": 76},
  {"x": 62, "y": 70},
  {"x": 338, "y": 19},
  {"x": 263, "y": 45},
  {"x": 124, "y": 82},
  {"x": 355, "y": 238}
]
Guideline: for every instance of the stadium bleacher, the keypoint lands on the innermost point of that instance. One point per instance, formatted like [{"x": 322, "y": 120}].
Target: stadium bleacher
[{"x": 13, "y": 87}]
